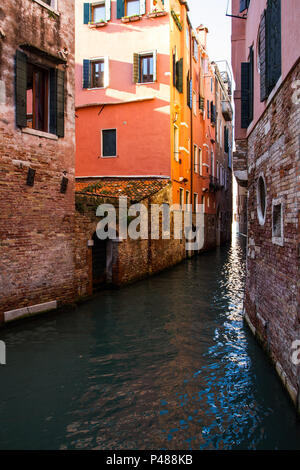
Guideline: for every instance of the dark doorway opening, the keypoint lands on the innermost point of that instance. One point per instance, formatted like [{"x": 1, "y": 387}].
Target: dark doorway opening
[{"x": 99, "y": 256}]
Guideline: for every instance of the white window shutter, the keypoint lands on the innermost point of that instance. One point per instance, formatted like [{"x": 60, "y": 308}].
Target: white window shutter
[
  {"x": 154, "y": 66},
  {"x": 106, "y": 72},
  {"x": 107, "y": 10},
  {"x": 142, "y": 7}
]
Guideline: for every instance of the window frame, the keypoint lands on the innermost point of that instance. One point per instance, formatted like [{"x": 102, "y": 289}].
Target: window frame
[
  {"x": 46, "y": 99},
  {"x": 109, "y": 129},
  {"x": 126, "y": 6},
  {"x": 260, "y": 215},
  {"x": 278, "y": 240},
  {"x": 92, "y": 70},
  {"x": 53, "y": 7},
  {"x": 176, "y": 142},
  {"x": 95, "y": 5}
]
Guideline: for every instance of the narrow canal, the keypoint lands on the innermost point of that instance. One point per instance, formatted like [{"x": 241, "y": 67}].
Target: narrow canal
[{"x": 163, "y": 364}]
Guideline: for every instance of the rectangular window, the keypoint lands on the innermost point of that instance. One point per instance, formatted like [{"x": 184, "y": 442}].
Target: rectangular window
[
  {"x": 200, "y": 162},
  {"x": 146, "y": 68},
  {"x": 176, "y": 143},
  {"x": 98, "y": 12},
  {"x": 195, "y": 202},
  {"x": 181, "y": 193},
  {"x": 195, "y": 159},
  {"x": 132, "y": 7},
  {"x": 37, "y": 98},
  {"x": 195, "y": 49},
  {"x": 97, "y": 73},
  {"x": 277, "y": 222},
  {"x": 187, "y": 38},
  {"x": 109, "y": 143},
  {"x": 187, "y": 200},
  {"x": 194, "y": 103}
]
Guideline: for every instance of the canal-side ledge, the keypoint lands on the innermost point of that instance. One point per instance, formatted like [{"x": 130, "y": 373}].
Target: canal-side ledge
[{"x": 293, "y": 394}]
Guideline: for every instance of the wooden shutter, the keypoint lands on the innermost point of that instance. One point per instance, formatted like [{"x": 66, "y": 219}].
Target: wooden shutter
[
  {"x": 53, "y": 101},
  {"x": 245, "y": 94},
  {"x": 263, "y": 57},
  {"x": 251, "y": 84},
  {"x": 21, "y": 88},
  {"x": 208, "y": 104},
  {"x": 174, "y": 68},
  {"x": 179, "y": 75},
  {"x": 142, "y": 7},
  {"x": 86, "y": 13},
  {"x": 273, "y": 33},
  {"x": 60, "y": 103},
  {"x": 120, "y": 8},
  {"x": 136, "y": 68},
  {"x": 243, "y": 5},
  {"x": 86, "y": 73},
  {"x": 154, "y": 66},
  {"x": 106, "y": 72},
  {"x": 107, "y": 10}
]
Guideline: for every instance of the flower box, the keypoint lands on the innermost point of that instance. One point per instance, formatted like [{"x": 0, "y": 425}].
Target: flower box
[
  {"x": 154, "y": 14},
  {"x": 128, "y": 19},
  {"x": 100, "y": 24}
]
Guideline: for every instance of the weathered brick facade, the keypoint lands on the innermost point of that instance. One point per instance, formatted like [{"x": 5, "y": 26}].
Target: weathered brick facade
[
  {"x": 272, "y": 286},
  {"x": 36, "y": 222}
]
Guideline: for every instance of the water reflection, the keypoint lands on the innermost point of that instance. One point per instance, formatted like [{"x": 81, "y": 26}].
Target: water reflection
[{"x": 164, "y": 364}]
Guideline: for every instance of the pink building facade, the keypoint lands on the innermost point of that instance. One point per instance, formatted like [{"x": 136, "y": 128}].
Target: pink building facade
[{"x": 265, "y": 61}]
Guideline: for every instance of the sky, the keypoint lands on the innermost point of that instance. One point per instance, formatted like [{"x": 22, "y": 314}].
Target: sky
[{"x": 212, "y": 13}]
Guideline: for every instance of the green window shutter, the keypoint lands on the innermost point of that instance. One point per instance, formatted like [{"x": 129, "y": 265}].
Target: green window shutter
[
  {"x": 174, "y": 69},
  {"x": 263, "y": 58},
  {"x": 142, "y": 7},
  {"x": 86, "y": 13},
  {"x": 60, "y": 103},
  {"x": 86, "y": 74},
  {"x": 154, "y": 66},
  {"x": 53, "y": 101},
  {"x": 273, "y": 33},
  {"x": 21, "y": 89},
  {"x": 251, "y": 84},
  {"x": 245, "y": 66},
  {"x": 179, "y": 75},
  {"x": 136, "y": 68},
  {"x": 120, "y": 9},
  {"x": 107, "y": 10}
]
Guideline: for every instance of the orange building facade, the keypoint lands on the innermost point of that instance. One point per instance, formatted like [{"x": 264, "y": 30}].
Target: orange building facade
[{"x": 148, "y": 105}]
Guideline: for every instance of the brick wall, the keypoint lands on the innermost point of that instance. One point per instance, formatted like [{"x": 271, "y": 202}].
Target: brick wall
[
  {"x": 36, "y": 223},
  {"x": 272, "y": 285}
]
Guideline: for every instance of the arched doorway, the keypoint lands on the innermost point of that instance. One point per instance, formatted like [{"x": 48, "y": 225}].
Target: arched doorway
[{"x": 99, "y": 257}]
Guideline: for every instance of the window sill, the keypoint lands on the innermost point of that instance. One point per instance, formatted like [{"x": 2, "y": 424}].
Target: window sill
[
  {"x": 108, "y": 156},
  {"x": 145, "y": 83},
  {"x": 46, "y": 135},
  {"x": 43, "y": 4},
  {"x": 97, "y": 25},
  {"x": 97, "y": 88},
  {"x": 130, "y": 19}
]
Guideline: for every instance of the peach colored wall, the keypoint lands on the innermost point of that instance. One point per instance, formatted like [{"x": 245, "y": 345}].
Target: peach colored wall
[
  {"x": 143, "y": 128},
  {"x": 245, "y": 34}
]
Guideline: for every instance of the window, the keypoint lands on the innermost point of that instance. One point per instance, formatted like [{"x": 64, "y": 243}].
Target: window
[
  {"x": 187, "y": 200},
  {"x": 277, "y": 222},
  {"x": 144, "y": 67},
  {"x": 195, "y": 202},
  {"x": 109, "y": 143},
  {"x": 179, "y": 75},
  {"x": 176, "y": 143},
  {"x": 195, "y": 49},
  {"x": 247, "y": 90},
  {"x": 212, "y": 164},
  {"x": 96, "y": 73},
  {"x": 187, "y": 38},
  {"x": 132, "y": 7},
  {"x": 39, "y": 96},
  {"x": 181, "y": 193},
  {"x": 194, "y": 103},
  {"x": 200, "y": 161},
  {"x": 261, "y": 199},
  {"x": 98, "y": 12},
  {"x": 195, "y": 159},
  {"x": 51, "y": 3}
]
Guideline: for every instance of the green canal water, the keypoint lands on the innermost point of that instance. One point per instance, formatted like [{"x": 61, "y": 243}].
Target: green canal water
[{"x": 166, "y": 363}]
